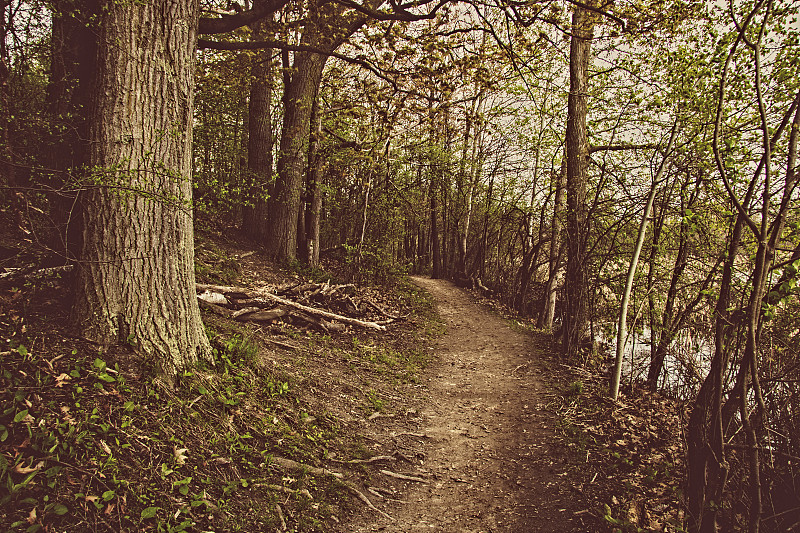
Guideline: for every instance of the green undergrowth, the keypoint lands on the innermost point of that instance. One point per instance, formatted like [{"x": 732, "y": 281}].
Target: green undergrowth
[{"x": 91, "y": 441}]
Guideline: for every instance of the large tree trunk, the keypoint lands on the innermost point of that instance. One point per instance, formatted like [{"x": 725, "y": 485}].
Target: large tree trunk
[
  {"x": 255, "y": 219},
  {"x": 284, "y": 205},
  {"x": 575, "y": 317},
  {"x": 135, "y": 281},
  {"x": 329, "y": 26}
]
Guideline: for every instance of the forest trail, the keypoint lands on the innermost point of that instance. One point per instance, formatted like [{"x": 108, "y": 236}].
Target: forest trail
[{"x": 490, "y": 454}]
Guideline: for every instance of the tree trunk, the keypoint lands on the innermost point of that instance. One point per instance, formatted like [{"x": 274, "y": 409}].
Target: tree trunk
[
  {"x": 362, "y": 234},
  {"x": 329, "y": 26},
  {"x": 436, "y": 251},
  {"x": 481, "y": 258},
  {"x": 73, "y": 66},
  {"x": 255, "y": 217},
  {"x": 575, "y": 317},
  {"x": 316, "y": 169},
  {"x": 135, "y": 281},
  {"x": 707, "y": 471},
  {"x": 7, "y": 178},
  {"x": 665, "y": 328},
  {"x": 284, "y": 205},
  {"x": 622, "y": 324},
  {"x": 550, "y": 292}
]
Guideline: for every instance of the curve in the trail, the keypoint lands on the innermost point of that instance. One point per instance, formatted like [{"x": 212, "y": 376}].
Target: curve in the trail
[{"x": 491, "y": 460}]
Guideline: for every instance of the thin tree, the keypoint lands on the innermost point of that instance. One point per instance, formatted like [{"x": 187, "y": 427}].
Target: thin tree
[{"x": 622, "y": 328}]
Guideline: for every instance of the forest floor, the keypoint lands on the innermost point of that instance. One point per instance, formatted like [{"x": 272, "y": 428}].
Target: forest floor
[
  {"x": 490, "y": 458},
  {"x": 458, "y": 417}
]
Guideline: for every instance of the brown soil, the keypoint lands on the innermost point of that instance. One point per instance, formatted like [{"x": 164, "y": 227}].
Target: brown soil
[{"x": 486, "y": 441}]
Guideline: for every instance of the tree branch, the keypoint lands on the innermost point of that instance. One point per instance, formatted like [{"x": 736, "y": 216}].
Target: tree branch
[
  {"x": 398, "y": 13},
  {"x": 599, "y": 11},
  {"x": 619, "y": 147},
  {"x": 205, "y": 44},
  {"x": 226, "y": 23}
]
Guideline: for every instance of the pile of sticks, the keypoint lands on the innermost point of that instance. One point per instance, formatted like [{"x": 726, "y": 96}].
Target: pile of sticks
[{"x": 316, "y": 305}]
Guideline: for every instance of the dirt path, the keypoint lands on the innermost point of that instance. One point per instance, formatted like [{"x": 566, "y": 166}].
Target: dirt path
[{"x": 490, "y": 455}]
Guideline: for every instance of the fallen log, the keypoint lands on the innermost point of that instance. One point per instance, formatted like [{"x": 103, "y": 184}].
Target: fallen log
[
  {"x": 230, "y": 291},
  {"x": 214, "y": 308},
  {"x": 259, "y": 315}
]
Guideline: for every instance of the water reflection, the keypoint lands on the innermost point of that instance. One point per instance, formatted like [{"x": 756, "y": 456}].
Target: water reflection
[{"x": 685, "y": 366}]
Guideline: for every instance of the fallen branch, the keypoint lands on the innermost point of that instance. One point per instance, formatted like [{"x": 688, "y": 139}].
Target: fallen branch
[
  {"x": 379, "y": 309},
  {"x": 288, "y": 464},
  {"x": 283, "y": 345},
  {"x": 280, "y": 516},
  {"x": 370, "y": 460},
  {"x": 12, "y": 274},
  {"x": 281, "y": 488},
  {"x": 360, "y": 495},
  {"x": 310, "y": 310},
  {"x": 384, "y": 494},
  {"x": 294, "y": 465},
  {"x": 214, "y": 308},
  {"x": 259, "y": 315},
  {"x": 403, "y": 476}
]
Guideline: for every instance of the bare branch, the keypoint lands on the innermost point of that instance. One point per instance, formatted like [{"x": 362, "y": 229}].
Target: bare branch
[
  {"x": 599, "y": 11},
  {"x": 226, "y": 23},
  {"x": 620, "y": 147},
  {"x": 398, "y": 13}
]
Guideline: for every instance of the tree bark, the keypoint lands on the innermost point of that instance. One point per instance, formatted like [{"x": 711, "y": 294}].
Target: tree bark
[
  {"x": 576, "y": 300},
  {"x": 316, "y": 169},
  {"x": 328, "y": 27},
  {"x": 284, "y": 204},
  {"x": 7, "y": 178},
  {"x": 550, "y": 292},
  {"x": 255, "y": 217},
  {"x": 436, "y": 251},
  {"x": 135, "y": 281}
]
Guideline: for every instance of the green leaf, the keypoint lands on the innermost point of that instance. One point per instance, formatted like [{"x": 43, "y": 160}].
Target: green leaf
[
  {"x": 109, "y": 495},
  {"x": 150, "y": 512},
  {"x": 99, "y": 364},
  {"x": 22, "y": 414},
  {"x": 22, "y": 350},
  {"x": 60, "y": 509}
]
